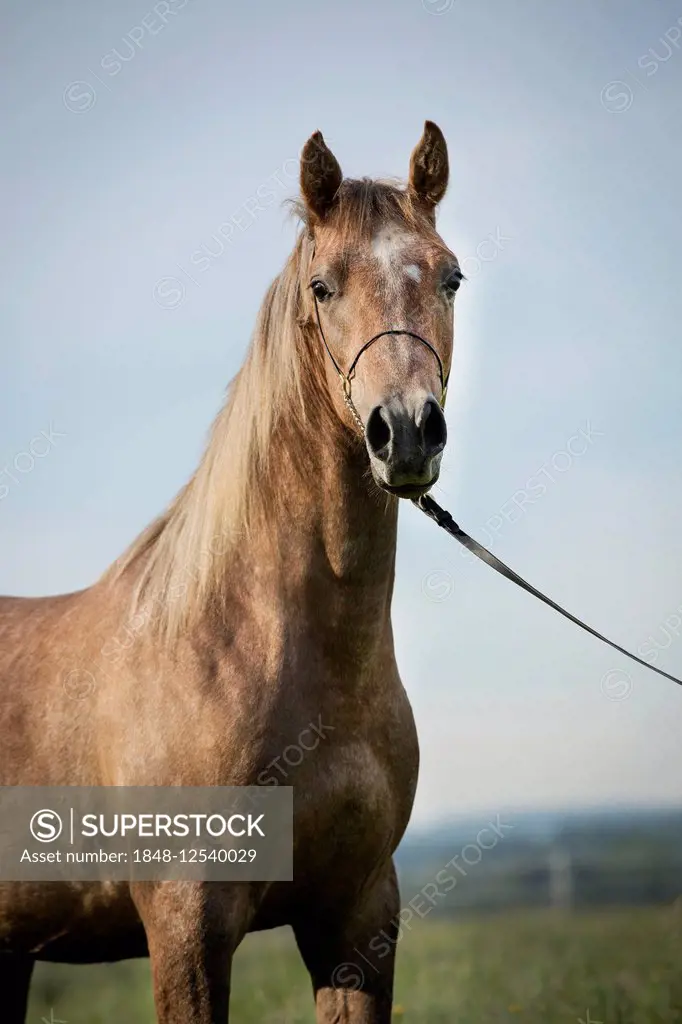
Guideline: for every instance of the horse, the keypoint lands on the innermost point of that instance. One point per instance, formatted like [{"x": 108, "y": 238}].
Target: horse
[{"x": 254, "y": 610}]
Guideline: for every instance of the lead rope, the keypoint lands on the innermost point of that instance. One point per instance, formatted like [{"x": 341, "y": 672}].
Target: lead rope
[{"x": 443, "y": 518}]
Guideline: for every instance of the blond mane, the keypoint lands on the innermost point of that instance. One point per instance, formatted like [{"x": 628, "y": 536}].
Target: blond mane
[{"x": 179, "y": 558}]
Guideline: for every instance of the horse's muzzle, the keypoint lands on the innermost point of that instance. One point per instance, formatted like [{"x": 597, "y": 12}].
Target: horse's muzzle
[{"x": 406, "y": 445}]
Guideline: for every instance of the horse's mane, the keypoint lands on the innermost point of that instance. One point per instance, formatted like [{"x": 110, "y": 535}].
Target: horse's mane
[{"x": 181, "y": 555}]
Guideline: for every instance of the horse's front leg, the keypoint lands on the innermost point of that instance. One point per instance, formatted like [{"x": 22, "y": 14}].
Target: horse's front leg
[
  {"x": 350, "y": 954},
  {"x": 15, "y": 979},
  {"x": 193, "y": 930}
]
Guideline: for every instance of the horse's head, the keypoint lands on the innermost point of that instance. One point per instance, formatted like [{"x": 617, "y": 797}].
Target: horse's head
[{"x": 381, "y": 291}]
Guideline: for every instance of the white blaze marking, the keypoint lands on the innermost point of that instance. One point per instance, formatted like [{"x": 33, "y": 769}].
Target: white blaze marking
[
  {"x": 389, "y": 245},
  {"x": 393, "y": 249}
]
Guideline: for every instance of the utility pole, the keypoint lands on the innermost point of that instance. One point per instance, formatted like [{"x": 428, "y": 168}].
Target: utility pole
[{"x": 560, "y": 878}]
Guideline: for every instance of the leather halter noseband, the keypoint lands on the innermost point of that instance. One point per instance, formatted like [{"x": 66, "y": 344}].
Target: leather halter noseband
[{"x": 347, "y": 378}]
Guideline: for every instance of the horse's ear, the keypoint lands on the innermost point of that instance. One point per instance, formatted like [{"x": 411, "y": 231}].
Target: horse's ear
[
  {"x": 321, "y": 176},
  {"x": 429, "y": 167}
]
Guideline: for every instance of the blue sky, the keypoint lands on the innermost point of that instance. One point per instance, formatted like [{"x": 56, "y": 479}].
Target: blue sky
[{"x": 134, "y": 133}]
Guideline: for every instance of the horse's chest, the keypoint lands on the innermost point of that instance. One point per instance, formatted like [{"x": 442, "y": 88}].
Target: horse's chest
[{"x": 351, "y": 808}]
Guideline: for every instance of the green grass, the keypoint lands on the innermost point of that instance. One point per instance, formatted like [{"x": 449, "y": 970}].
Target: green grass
[{"x": 537, "y": 968}]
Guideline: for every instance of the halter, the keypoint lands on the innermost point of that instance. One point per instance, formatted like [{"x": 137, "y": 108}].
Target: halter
[{"x": 347, "y": 378}]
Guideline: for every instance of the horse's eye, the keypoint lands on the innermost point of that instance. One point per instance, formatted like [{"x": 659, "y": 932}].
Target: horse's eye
[
  {"x": 453, "y": 281},
  {"x": 320, "y": 290}
]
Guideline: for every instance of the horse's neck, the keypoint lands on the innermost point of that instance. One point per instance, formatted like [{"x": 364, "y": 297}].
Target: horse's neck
[{"x": 332, "y": 537}]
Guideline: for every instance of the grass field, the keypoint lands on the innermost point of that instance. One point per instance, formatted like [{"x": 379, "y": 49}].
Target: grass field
[{"x": 622, "y": 967}]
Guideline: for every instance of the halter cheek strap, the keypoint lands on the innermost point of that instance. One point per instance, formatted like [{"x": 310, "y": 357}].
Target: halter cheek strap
[{"x": 347, "y": 378}]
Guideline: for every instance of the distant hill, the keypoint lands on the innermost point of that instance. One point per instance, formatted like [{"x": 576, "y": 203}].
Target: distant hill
[
  {"x": 543, "y": 826},
  {"x": 570, "y": 858}
]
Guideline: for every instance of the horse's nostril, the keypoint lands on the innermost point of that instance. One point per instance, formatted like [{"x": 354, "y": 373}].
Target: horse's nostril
[
  {"x": 434, "y": 431},
  {"x": 377, "y": 433}
]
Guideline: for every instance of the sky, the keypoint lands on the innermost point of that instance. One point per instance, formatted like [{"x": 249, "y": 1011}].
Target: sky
[{"x": 135, "y": 132}]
